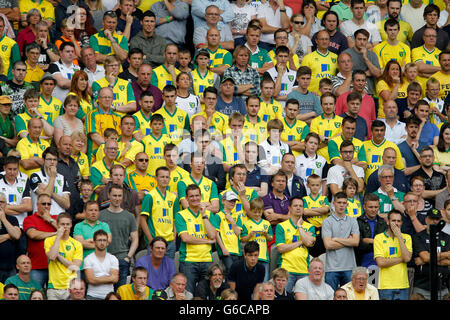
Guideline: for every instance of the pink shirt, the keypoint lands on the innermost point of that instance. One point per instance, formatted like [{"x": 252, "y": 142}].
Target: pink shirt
[{"x": 367, "y": 110}]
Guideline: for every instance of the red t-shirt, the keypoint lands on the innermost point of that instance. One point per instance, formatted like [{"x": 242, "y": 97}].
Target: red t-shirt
[
  {"x": 35, "y": 249},
  {"x": 367, "y": 110}
]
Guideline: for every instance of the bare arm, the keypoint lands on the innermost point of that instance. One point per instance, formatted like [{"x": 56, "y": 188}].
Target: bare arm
[{"x": 92, "y": 279}]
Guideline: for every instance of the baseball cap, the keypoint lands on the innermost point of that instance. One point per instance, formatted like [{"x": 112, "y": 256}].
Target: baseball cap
[
  {"x": 434, "y": 214},
  {"x": 159, "y": 295},
  {"x": 47, "y": 76},
  {"x": 230, "y": 196},
  {"x": 5, "y": 100},
  {"x": 228, "y": 79}
]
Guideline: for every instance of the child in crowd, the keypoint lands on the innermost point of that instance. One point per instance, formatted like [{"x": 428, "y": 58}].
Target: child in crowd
[
  {"x": 184, "y": 60},
  {"x": 257, "y": 229},
  {"x": 436, "y": 104},
  {"x": 86, "y": 192},
  {"x": 350, "y": 187},
  {"x": 317, "y": 208},
  {"x": 325, "y": 85},
  {"x": 309, "y": 102},
  {"x": 411, "y": 72},
  {"x": 110, "y": 134},
  {"x": 310, "y": 162},
  {"x": 229, "y": 226},
  {"x": 274, "y": 148}
]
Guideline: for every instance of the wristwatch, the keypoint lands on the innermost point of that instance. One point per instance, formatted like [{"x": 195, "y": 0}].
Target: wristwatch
[{"x": 394, "y": 198}]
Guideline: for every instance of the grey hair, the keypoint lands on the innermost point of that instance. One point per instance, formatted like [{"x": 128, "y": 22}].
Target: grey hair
[
  {"x": 383, "y": 168},
  {"x": 266, "y": 283},
  {"x": 33, "y": 12},
  {"x": 358, "y": 270}
]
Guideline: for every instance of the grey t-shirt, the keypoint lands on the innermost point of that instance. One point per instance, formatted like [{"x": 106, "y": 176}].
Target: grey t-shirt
[
  {"x": 342, "y": 259},
  {"x": 359, "y": 64},
  {"x": 308, "y": 102},
  {"x": 313, "y": 292},
  {"x": 121, "y": 225}
]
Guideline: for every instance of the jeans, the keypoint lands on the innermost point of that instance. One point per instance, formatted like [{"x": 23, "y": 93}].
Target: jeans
[
  {"x": 229, "y": 260},
  {"x": 124, "y": 271},
  {"x": 266, "y": 270},
  {"x": 5, "y": 274},
  {"x": 41, "y": 276},
  {"x": 194, "y": 272},
  {"x": 393, "y": 294},
  {"x": 335, "y": 279},
  {"x": 292, "y": 281}
]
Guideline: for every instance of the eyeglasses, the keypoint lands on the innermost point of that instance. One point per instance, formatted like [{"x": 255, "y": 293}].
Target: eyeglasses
[
  {"x": 282, "y": 38},
  {"x": 299, "y": 22},
  {"x": 142, "y": 160}
]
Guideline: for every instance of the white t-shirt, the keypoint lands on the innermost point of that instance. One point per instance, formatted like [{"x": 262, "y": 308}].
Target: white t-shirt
[
  {"x": 274, "y": 153},
  {"x": 287, "y": 81},
  {"x": 242, "y": 17},
  {"x": 273, "y": 19},
  {"x": 348, "y": 28},
  {"x": 337, "y": 174},
  {"x": 190, "y": 104},
  {"x": 66, "y": 72},
  {"x": 306, "y": 166},
  {"x": 413, "y": 16},
  {"x": 303, "y": 44},
  {"x": 313, "y": 292},
  {"x": 100, "y": 269}
]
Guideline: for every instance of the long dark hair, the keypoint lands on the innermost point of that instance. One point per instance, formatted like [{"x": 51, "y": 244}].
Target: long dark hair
[{"x": 441, "y": 143}]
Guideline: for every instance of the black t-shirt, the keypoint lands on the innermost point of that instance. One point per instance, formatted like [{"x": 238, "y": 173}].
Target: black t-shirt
[
  {"x": 421, "y": 242},
  {"x": 437, "y": 181},
  {"x": 204, "y": 292},
  {"x": 284, "y": 296},
  {"x": 8, "y": 249},
  {"x": 246, "y": 279}
]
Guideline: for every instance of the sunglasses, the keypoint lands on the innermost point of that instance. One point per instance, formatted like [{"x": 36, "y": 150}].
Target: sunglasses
[
  {"x": 48, "y": 204},
  {"x": 299, "y": 22},
  {"x": 142, "y": 160}
]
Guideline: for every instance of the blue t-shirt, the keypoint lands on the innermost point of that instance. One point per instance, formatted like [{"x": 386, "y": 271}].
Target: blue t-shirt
[
  {"x": 408, "y": 155},
  {"x": 308, "y": 102},
  {"x": 429, "y": 131},
  {"x": 236, "y": 105}
]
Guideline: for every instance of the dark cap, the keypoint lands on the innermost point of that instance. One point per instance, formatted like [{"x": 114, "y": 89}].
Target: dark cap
[
  {"x": 159, "y": 295},
  {"x": 434, "y": 214},
  {"x": 228, "y": 79}
]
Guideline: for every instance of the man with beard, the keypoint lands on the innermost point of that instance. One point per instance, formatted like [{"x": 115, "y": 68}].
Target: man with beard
[
  {"x": 212, "y": 286},
  {"x": 411, "y": 146},
  {"x": 435, "y": 181}
]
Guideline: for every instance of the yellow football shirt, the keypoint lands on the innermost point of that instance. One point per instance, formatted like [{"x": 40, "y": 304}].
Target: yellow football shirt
[
  {"x": 374, "y": 154},
  {"x": 386, "y": 52},
  {"x": 329, "y": 128},
  {"x": 321, "y": 65}
]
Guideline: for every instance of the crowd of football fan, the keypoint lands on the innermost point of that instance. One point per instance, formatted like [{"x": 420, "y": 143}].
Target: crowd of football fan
[{"x": 224, "y": 150}]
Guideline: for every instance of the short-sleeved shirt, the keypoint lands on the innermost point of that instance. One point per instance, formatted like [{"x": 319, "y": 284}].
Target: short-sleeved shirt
[
  {"x": 295, "y": 261},
  {"x": 386, "y": 52},
  {"x": 342, "y": 259},
  {"x": 374, "y": 154},
  {"x": 321, "y": 65},
  {"x": 386, "y": 205},
  {"x": 311, "y": 203},
  {"x": 101, "y": 44},
  {"x": 335, "y": 144},
  {"x": 8, "y": 247},
  {"x": 187, "y": 221},
  {"x": 245, "y": 279},
  {"x": 25, "y": 288},
  {"x": 158, "y": 279},
  {"x": 176, "y": 124},
  {"x": 100, "y": 269},
  {"x": 396, "y": 276},
  {"x": 123, "y": 93},
  {"x": 309, "y": 102},
  {"x": 121, "y": 224},
  {"x": 162, "y": 77},
  {"x": 127, "y": 292},
  {"x": 160, "y": 211},
  {"x": 250, "y": 225},
  {"x": 87, "y": 231},
  {"x": 46, "y": 9},
  {"x": 35, "y": 248},
  {"x": 207, "y": 186},
  {"x": 29, "y": 149},
  {"x": 230, "y": 240},
  {"x": 270, "y": 110},
  {"x": 15, "y": 193},
  {"x": 59, "y": 275},
  {"x": 313, "y": 292}
]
